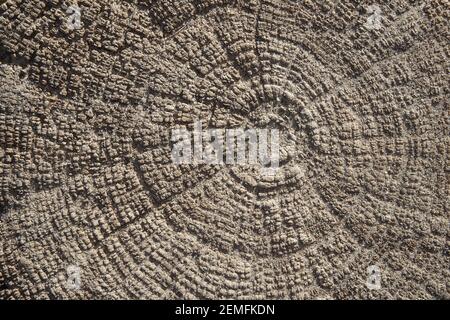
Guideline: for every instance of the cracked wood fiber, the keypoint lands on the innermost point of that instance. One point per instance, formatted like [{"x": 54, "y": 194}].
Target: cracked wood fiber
[{"x": 87, "y": 179}]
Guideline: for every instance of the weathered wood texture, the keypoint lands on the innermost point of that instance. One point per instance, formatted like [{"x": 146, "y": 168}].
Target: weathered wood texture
[{"x": 86, "y": 176}]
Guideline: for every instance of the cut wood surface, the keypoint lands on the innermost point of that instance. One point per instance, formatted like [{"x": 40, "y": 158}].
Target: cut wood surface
[{"x": 92, "y": 207}]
